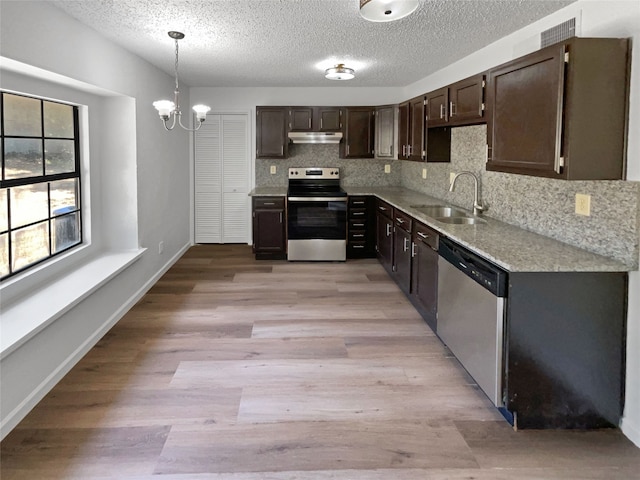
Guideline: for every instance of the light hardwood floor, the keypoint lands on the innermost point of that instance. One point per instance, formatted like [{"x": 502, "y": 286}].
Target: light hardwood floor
[{"x": 236, "y": 369}]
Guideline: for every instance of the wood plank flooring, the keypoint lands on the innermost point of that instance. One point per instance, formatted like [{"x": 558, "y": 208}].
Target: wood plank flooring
[{"x": 236, "y": 369}]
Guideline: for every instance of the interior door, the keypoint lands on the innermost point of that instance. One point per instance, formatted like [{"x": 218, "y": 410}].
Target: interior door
[{"x": 222, "y": 180}]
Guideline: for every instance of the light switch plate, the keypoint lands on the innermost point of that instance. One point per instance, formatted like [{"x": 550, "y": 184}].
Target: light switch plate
[
  {"x": 273, "y": 170},
  {"x": 387, "y": 169},
  {"x": 424, "y": 173},
  {"x": 583, "y": 204}
]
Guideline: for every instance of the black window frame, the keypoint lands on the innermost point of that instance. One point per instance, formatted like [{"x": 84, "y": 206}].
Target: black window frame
[{"x": 7, "y": 184}]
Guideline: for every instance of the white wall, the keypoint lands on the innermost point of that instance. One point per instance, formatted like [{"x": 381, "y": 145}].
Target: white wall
[{"x": 139, "y": 179}]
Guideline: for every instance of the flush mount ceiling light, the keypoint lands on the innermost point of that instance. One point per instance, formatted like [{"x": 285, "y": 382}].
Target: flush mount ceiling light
[
  {"x": 167, "y": 108},
  {"x": 387, "y": 10},
  {"x": 339, "y": 72}
]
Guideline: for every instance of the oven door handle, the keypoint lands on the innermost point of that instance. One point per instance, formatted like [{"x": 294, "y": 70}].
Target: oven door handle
[{"x": 317, "y": 199}]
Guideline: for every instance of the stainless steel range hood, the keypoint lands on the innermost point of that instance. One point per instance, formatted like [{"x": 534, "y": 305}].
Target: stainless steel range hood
[{"x": 315, "y": 137}]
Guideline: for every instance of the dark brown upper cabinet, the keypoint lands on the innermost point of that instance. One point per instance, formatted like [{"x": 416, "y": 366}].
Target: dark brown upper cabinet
[
  {"x": 438, "y": 107},
  {"x": 385, "y": 131},
  {"x": 271, "y": 132},
  {"x": 461, "y": 103},
  {"x": 411, "y": 129},
  {"x": 358, "y": 133},
  {"x": 560, "y": 112},
  {"x": 308, "y": 119}
]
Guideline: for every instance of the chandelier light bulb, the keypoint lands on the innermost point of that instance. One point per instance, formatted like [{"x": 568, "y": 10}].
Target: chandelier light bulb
[
  {"x": 165, "y": 108},
  {"x": 201, "y": 112}
]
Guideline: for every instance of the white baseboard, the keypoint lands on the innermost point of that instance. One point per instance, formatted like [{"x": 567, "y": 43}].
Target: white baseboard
[
  {"x": 631, "y": 430},
  {"x": 11, "y": 420}
]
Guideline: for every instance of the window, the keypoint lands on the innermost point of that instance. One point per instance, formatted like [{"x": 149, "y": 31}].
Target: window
[{"x": 40, "y": 212}]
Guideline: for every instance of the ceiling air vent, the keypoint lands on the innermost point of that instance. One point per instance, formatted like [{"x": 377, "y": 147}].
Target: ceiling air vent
[{"x": 558, "y": 33}]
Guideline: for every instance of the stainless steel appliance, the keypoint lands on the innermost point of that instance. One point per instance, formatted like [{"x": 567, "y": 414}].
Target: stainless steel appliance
[
  {"x": 316, "y": 215},
  {"x": 471, "y": 314}
]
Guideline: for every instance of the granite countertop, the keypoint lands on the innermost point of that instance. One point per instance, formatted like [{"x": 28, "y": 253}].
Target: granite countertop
[{"x": 510, "y": 247}]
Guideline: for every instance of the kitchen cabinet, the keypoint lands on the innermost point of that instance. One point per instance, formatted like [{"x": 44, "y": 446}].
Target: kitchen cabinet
[
  {"x": 560, "y": 112},
  {"x": 461, "y": 103},
  {"x": 314, "y": 119},
  {"x": 271, "y": 132},
  {"x": 358, "y": 129},
  {"x": 361, "y": 240},
  {"x": 269, "y": 233},
  {"x": 384, "y": 234},
  {"x": 411, "y": 129},
  {"x": 401, "y": 271},
  {"x": 424, "y": 272},
  {"x": 385, "y": 138}
]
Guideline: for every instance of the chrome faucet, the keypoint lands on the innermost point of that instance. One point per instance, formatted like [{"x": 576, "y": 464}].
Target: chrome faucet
[{"x": 478, "y": 208}]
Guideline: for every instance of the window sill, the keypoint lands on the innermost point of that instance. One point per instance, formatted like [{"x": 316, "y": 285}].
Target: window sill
[{"x": 31, "y": 314}]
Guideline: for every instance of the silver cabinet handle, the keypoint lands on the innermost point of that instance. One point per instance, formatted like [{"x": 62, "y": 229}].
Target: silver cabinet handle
[
  {"x": 442, "y": 110},
  {"x": 280, "y": 217},
  {"x": 405, "y": 247},
  {"x": 399, "y": 220},
  {"x": 268, "y": 203},
  {"x": 452, "y": 109},
  {"x": 413, "y": 249},
  {"x": 359, "y": 202},
  {"x": 388, "y": 229},
  {"x": 404, "y": 150},
  {"x": 281, "y": 149},
  {"x": 357, "y": 246},
  {"x": 355, "y": 214},
  {"x": 357, "y": 235},
  {"x": 309, "y": 123},
  {"x": 384, "y": 209},
  {"x": 358, "y": 224},
  {"x": 422, "y": 235}
]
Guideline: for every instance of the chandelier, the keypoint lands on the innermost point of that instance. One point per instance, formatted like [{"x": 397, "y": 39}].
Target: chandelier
[{"x": 167, "y": 108}]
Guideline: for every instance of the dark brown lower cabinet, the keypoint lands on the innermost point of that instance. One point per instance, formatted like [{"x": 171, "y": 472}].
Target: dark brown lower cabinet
[
  {"x": 269, "y": 233},
  {"x": 361, "y": 241},
  {"x": 384, "y": 235},
  {"x": 424, "y": 272},
  {"x": 401, "y": 271}
]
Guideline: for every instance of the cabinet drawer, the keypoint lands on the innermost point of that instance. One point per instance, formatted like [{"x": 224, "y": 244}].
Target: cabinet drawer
[
  {"x": 402, "y": 220},
  {"x": 384, "y": 208},
  {"x": 268, "y": 202},
  {"x": 358, "y": 202},
  {"x": 424, "y": 234},
  {"x": 356, "y": 213}
]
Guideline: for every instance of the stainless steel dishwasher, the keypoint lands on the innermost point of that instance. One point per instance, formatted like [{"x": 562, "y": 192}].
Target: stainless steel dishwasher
[{"x": 471, "y": 314}]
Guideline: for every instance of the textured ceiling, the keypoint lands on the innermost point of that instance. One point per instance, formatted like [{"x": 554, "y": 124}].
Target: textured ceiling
[{"x": 278, "y": 43}]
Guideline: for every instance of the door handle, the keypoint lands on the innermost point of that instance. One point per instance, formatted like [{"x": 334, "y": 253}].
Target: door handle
[
  {"x": 388, "y": 229},
  {"x": 405, "y": 247}
]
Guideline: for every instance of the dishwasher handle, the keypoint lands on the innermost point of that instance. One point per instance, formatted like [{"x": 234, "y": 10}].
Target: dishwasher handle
[{"x": 486, "y": 274}]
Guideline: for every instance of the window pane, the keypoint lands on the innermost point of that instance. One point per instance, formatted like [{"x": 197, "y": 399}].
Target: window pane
[
  {"x": 66, "y": 231},
  {"x": 59, "y": 156},
  {"x": 22, "y": 157},
  {"x": 64, "y": 196},
  {"x": 30, "y": 244},
  {"x": 3, "y": 210},
  {"x": 4, "y": 254},
  {"x": 58, "y": 120},
  {"x": 29, "y": 204},
  {"x": 22, "y": 116}
]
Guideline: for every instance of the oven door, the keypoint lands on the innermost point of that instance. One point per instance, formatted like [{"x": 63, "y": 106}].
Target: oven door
[{"x": 323, "y": 218}]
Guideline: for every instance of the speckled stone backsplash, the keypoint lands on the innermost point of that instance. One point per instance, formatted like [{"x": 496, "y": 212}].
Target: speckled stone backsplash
[
  {"x": 541, "y": 205},
  {"x": 354, "y": 172}
]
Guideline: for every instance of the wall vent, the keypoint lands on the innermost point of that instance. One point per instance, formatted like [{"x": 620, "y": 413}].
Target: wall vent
[{"x": 558, "y": 33}]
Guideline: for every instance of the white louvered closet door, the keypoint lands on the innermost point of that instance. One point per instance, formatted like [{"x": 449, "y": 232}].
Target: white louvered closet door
[{"x": 222, "y": 183}]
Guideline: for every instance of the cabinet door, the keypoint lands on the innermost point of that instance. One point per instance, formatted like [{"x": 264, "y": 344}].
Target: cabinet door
[
  {"x": 268, "y": 225},
  {"x": 438, "y": 107},
  {"x": 416, "y": 129},
  {"x": 402, "y": 259},
  {"x": 525, "y": 101},
  {"x": 301, "y": 119},
  {"x": 359, "y": 128},
  {"x": 466, "y": 101},
  {"x": 330, "y": 119},
  {"x": 403, "y": 131},
  {"x": 424, "y": 277},
  {"x": 271, "y": 132},
  {"x": 385, "y": 126},
  {"x": 384, "y": 241}
]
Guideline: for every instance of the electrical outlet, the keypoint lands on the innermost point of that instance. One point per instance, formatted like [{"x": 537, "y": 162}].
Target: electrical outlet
[
  {"x": 273, "y": 170},
  {"x": 583, "y": 204},
  {"x": 387, "y": 169},
  {"x": 424, "y": 173},
  {"x": 452, "y": 175},
  {"x": 160, "y": 247}
]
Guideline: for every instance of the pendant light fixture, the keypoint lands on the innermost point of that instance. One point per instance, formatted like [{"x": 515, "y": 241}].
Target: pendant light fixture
[
  {"x": 167, "y": 108},
  {"x": 339, "y": 72},
  {"x": 387, "y": 10}
]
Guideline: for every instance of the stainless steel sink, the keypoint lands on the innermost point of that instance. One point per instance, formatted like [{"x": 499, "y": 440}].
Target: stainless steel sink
[
  {"x": 439, "y": 211},
  {"x": 461, "y": 220}
]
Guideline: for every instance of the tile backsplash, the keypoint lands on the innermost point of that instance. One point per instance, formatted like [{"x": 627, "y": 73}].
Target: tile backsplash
[{"x": 541, "y": 205}]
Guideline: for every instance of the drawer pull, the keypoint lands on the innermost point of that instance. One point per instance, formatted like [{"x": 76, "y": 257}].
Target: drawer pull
[
  {"x": 357, "y": 235},
  {"x": 358, "y": 224},
  {"x": 388, "y": 229},
  {"x": 422, "y": 235},
  {"x": 384, "y": 209},
  {"x": 357, "y": 246},
  {"x": 360, "y": 202},
  {"x": 268, "y": 203},
  {"x": 399, "y": 220},
  {"x": 357, "y": 214}
]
